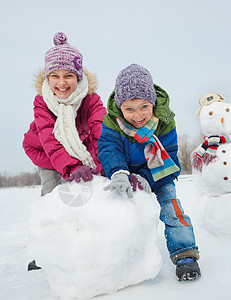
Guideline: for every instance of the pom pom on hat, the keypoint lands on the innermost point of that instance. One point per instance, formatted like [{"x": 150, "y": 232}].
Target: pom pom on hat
[
  {"x": 134, "y": 82},
  {"x": 60, "y": 38},
  {"x": 63, "y": 56}
]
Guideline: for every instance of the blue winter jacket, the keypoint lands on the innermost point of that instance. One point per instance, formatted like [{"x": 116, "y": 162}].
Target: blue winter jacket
[{"x": 118, "y": 151}]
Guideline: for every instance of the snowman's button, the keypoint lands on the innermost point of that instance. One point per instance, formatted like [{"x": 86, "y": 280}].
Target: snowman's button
[
  {"x": 223, "y": 151},
  {"x": 226, "y": 178},
  {"x": 225, "y": 163}
]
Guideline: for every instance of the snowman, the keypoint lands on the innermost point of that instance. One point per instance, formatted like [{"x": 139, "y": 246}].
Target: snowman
[
  {"x": 211, "y": 163},
  {"x": 212, "y": 159}
]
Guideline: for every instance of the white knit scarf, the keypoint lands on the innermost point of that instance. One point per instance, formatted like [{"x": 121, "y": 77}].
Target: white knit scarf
[{"x": 65, "y": 110}]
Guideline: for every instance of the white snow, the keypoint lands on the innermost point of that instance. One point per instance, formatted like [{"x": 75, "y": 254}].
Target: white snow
[
  {"x": 96, "y": 243},
  {"x": 215, "y": 214},
  {"x": 212, "y": 238},
  {"x": 215, "y": 178}
]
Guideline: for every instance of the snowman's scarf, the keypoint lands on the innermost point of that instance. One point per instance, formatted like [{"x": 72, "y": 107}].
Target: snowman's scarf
[
  {"x": 158, "y": 160},
  {"x": 206, "y": 153}
]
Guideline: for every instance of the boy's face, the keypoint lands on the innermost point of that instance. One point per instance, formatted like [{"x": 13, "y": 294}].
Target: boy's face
[
  {"x": 137, "y": 112},
  {"x": 63, "y": 83}
]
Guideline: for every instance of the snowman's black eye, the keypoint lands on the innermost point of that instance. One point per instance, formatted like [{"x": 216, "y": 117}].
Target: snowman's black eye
[
  {"x": 210, "y": 113},
  {"x": 227, "y": 109}
]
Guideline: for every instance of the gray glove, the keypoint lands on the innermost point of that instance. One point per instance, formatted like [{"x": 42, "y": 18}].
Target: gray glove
[
  {"x": 141, "y": 182},
  {"x": 120, "y": 183}
]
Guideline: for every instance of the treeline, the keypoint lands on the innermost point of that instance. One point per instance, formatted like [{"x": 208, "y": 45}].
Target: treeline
[
  {"x": 186, "y": 146},
  {"x": 23, "y": 179}
]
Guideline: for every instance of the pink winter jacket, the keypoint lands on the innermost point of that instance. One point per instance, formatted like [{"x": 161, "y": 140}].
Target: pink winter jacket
[{"x": 42, "y": 147}]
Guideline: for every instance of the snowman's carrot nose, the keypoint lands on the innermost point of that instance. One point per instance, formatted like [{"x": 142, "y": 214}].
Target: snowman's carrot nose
[{"x": 222, "y": 120}]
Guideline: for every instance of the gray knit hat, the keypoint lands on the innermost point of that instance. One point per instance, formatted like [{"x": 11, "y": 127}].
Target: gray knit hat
[{"x": 134, "y": 82}]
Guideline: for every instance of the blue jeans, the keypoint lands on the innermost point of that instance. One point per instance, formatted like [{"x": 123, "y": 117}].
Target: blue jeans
[{"x": 178, "y": 227}]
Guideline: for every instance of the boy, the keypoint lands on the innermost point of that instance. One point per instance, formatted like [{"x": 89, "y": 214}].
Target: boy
[{"x": 138, "y": 146}]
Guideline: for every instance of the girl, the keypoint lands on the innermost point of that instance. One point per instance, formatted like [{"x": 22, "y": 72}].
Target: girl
[{"x": 62, "y": 139}]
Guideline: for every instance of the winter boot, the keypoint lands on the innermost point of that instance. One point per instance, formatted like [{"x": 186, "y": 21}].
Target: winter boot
[
  {"x": 187, "y": 269},
  {"x": 32, "y": 266}
]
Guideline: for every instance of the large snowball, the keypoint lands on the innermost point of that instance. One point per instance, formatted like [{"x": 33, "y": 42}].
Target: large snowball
[
  {"x": 91, "y": 242},
  {"x": 215, "y": 178},
  {"x": 215, "y": 214}
]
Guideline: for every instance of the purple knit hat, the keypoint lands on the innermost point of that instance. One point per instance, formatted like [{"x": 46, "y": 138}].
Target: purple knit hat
[
  {"x": 134, "y": 82},
  {"x": 63, "y": 57}
]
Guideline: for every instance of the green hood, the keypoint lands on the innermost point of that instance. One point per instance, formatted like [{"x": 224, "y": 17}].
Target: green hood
[{"x": 161, "y": 110}]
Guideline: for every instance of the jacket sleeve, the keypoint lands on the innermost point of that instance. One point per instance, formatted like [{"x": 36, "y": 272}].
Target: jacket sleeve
[
  {"x": 111, "y": 152},
  {"x": 35, "y": 152},
  {"x": 59, "y": 158}
]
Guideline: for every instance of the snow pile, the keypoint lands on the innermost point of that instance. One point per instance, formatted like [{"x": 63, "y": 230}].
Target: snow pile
[
  {"x": 90, "y": 242},
  {"x": 215, "y": 214},
  {"x": 214, "y": 180}
]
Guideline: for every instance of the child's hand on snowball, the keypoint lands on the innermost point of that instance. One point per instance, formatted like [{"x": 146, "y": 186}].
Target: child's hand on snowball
[
  {"x": 120, "y": 183},
  {"x": 83, "y": 172},
  {"x": 137, "y": 180}
]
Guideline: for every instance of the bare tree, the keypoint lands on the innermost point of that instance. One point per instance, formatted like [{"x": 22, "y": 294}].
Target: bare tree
[
  {"x": 185, "y": 151},
  {"x": 23, "y": 179},
  {"x": 184, "y": 154}
]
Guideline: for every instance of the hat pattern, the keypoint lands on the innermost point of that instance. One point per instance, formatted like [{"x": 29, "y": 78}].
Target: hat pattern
[
  {"x": 134, "y": 82},
  {"x": 63, "y": 56}
]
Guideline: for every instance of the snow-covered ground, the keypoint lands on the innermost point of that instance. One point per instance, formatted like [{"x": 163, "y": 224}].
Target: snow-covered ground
[{"x": 215, "y": 262}]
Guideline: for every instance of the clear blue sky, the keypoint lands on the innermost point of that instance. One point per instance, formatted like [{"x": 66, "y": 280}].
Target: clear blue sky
[{"x": 186, "y": 46}]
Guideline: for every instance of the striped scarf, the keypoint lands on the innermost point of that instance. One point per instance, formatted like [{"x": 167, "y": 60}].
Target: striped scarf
[
  {"x": 207, "y": 151},
  {"x": 158, "y": 160}
]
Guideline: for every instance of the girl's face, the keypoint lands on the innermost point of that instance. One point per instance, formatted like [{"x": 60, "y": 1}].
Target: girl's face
[
  {"x": 137, "y": 111},
  {"x": 63, "y": 83}
]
